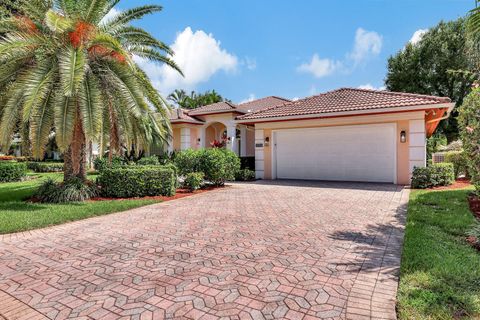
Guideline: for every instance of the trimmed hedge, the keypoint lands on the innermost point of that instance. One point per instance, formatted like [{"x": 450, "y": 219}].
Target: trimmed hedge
[
  {"x": 149, "y": 161},
  {"x": 12, "y": 171},
  {"x": 99, "y": 164},
  {"x": 137, "y": 181},
  {"x": 45, "y": 166},
  {"x": 218, "y": 165},
  {"x": 439, "y": 174},
  {"x": 459, "y": 161}
]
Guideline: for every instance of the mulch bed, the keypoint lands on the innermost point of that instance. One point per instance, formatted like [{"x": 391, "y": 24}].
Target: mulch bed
[
  {"x": 458, "y": 184},
  {"x": 181, "y": 193}
]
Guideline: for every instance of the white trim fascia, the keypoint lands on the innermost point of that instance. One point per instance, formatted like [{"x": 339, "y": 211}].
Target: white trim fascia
[{"x": 449, "y": 105}]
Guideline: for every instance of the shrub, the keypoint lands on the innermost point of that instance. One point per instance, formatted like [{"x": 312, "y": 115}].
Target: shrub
[
  {"x": 74, "y": 190},
  {"x": 12, "y": 171},
  {"x": 218, "y": 165},
  {"x": 193, "y": 180},
  {"x": 459, "y": 161},
  {"x": 245, "y": 175},
  {"x": 100, "y": 164},
  {"x": 469, "y": 124},
  {"x": 137, "y": 181},
  {"x": 149, "y": 161},
  {"x": 439, "y": 174},
  {"x": 187, "y": 161},
  {"x": 45, "y": 166}
]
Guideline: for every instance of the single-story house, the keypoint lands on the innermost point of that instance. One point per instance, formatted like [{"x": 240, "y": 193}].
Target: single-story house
[{"x": 344, "y": 135}]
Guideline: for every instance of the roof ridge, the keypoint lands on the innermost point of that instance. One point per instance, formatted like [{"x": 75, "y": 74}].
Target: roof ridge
[
  {"x": 406, "y": 94},
  {"x": 263, "y": 98}
]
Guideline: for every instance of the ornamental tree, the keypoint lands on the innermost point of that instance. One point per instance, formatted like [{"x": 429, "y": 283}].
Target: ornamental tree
[
  {"x": 66, "y": 71},
  {"x": 469, "y": 123}
]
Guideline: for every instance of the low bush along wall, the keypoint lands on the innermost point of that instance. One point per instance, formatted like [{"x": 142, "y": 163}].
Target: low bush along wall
[
  {"x": 12, "y": 171},
  {"x": 218, "y": 165},
  {"x": 137, "y": 181},
  {"x": 439, "y": 174},
  {"x": 45, "y": 166}
]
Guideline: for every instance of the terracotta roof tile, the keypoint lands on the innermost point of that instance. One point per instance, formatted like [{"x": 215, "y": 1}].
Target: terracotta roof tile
[
  {"x": 344, "y": 100},
  {"x": 213, "y": 108},
  {"x": 259, "y": 104},
  {"x": 180, "y": 115}
]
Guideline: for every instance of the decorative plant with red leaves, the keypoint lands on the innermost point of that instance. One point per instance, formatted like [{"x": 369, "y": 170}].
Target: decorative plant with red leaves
[
  {"x": 218, "y": 143},
  {"x": 66, "y": 69}
]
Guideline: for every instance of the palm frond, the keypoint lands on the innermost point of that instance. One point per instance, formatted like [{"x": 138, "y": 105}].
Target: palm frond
[
  {"x": 17, "y": 44},
  {"x": 38, "y": 84},
  {"x": 128, "y": 90},
  {"x": 41, "y": 123},
  {"x": 94, "y": 9},
  {"x": 72, "y": 65},
  {"x": 11, "y": 114},
  {"x": 57, "y": 22},
  {"x": 132, "y": 14},
  {"x": 157, "y": 101},
  {"x": 64, "y": 119},
  {"x": 133, "y": 36},
  {"x": 90, "y": 106},
  {"x": 155, "y": 56}
]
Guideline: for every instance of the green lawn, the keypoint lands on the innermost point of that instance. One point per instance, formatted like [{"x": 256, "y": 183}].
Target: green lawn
[
  {"x": 18, "y": 215},
  {"x": 440, "y": 273}
]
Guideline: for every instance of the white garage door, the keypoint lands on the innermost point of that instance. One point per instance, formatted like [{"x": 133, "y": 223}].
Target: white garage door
[{"x": 344, "y": 153}]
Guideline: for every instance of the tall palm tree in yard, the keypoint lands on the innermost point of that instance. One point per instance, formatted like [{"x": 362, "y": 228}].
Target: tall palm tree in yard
[{"x": 64, "y": 69}]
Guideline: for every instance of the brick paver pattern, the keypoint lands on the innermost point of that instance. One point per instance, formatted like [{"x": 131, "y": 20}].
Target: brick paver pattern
[{"x": 264, "y": 250}]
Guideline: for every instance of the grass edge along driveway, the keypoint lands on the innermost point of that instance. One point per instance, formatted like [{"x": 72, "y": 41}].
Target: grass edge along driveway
[
  {"x": 440, "y": 272},
  {"x": 18, "y": 215}
]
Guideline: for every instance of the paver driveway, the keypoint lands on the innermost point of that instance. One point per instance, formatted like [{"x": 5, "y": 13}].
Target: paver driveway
[{"x": 294, "y": 250}]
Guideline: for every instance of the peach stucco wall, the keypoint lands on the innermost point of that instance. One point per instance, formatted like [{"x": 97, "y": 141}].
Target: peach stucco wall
[
  {"x": 176, "y": 138},
  {"x": 401, "y": 120}
]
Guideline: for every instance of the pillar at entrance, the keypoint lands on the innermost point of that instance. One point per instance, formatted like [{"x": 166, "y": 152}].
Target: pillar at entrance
[{"x": 232, "y": 143}]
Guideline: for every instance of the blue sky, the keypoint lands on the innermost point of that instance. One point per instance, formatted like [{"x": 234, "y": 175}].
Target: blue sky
[{"x": 256, "y": 48}]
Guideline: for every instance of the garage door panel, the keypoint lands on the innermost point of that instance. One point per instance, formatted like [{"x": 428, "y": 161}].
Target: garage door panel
[{"x": 354, "y": 153}]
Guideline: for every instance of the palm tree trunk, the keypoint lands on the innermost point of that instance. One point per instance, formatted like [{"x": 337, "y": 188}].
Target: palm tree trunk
[{"x": 75, "y": 157}]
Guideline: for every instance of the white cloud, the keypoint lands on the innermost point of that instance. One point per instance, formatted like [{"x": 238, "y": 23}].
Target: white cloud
[
  {"x": 369, "y": 86},
  {"x": 417, "y": 36},
  {"x": 295, "y": 98},
  {"x": 112, "y": 13},
  {"x": 319, "y": 67},
  {"x": 250, "y": 98},
  {"x": 198, "y": 54},
  {"x": 250, "y": 63},
  {"x": 367, "y": 44},
  {"x": 313, "y": 90}
]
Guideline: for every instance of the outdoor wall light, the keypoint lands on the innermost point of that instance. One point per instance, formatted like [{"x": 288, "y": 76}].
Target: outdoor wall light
[
  {"x": 403, "y": 136},
  {"x": 267, "y": 141}
]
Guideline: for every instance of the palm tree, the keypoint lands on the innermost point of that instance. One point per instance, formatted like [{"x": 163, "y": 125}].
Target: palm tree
[
  {"x": 67, "y": 71},
  {"x": 179, "y": 97}
]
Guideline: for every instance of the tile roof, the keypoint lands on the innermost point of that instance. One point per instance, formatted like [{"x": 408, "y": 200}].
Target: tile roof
[
  {"x": 344, "y": 100},
  {"x": 259, "y": 104},
  {"x": 213, "y": 108},
  {"x": 180, "y": 115}
]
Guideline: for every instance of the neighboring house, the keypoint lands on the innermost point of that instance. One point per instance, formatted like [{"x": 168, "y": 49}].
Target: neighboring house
[{"x": 344, "y": 135}]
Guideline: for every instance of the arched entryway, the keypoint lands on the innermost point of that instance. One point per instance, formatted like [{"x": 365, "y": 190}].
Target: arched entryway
[{"x": 215, "y": 133}]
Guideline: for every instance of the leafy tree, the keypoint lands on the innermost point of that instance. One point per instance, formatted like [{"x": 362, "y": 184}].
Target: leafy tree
[
  {"x": 68, "y": 72},
  {"x": 439, "y": 64},
  {"x": 194, "y": 100}
]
